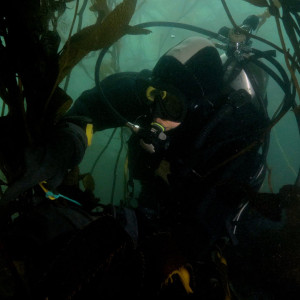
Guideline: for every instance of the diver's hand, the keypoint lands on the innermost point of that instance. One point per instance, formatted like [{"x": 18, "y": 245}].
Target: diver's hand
[
  {"x": 153, "y": 140},
  {"x": 167, "y": 124}
]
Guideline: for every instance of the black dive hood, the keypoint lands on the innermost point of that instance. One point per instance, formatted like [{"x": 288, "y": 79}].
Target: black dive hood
[{"x": 278, "y": 73}]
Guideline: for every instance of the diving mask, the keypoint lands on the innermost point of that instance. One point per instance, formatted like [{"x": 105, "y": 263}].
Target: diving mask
[{"x": 169, "y": 104}]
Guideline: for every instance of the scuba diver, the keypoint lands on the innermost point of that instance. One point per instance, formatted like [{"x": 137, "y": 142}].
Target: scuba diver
[{"x": 195, "y": 146}]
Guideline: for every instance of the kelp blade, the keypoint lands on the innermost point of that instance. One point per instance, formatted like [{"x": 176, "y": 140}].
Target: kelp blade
[
  {"x": 260, "y": 3},
  {"x": 96, "y": 36}
]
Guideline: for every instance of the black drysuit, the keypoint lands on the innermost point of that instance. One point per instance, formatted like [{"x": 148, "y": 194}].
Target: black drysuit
[{"x": 213, "y": 154}]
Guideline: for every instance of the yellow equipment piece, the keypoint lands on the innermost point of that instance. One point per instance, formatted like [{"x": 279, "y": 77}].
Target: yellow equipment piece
[
  {"x": 184, "y": 276},
  {"x": 152, "y": 91},
  {"x": 89, "y": 133}
]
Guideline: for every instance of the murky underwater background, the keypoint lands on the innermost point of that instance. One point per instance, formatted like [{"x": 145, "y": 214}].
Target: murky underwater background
[{"x": 137, "y": 52}]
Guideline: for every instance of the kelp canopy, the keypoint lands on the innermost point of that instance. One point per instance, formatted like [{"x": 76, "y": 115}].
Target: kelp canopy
[{"x": 32, "y": 67}]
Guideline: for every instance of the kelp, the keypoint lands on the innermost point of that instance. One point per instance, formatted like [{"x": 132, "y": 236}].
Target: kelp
[
  {"x": 263, "y": 18},
  {"x": 96, "y": 36},
  {"x": 286, "y": 16},
  {"x": 30, "y": 76},
  {"x": 28, "y": 63},
  {"x": 101, "y": 7},
  {"x": 79, "y": 27},
  {"x": 291, "y": 29},
  {"x": 296, "y": 110},
  {"x": 60, "y": 104},
  {"x": 108, "y": 28},
  {"x": 260, "y": 3}
]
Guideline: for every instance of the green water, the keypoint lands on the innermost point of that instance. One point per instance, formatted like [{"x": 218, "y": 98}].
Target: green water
[{"x": 137, "y": 52}]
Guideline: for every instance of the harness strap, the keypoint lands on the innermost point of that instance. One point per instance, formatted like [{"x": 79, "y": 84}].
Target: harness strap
[{"x": 232, "y": 224}]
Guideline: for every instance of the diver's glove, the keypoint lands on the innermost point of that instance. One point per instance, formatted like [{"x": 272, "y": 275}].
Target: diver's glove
[
  {"x": 153, "y": 140},
  {"x": 63, "y": 150}
]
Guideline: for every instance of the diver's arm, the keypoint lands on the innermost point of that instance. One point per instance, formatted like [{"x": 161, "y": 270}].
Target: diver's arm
[{"x": 121, "y": 98}]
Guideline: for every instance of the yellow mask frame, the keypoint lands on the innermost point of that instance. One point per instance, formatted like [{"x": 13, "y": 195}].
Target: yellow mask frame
[{"x": 151, "y": 92}]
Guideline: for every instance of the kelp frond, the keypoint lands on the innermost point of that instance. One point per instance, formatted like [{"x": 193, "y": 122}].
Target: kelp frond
[
  {"x": 100, "y": 7},
  {"x": 96, "y": 36},
  {"x": 260, "y": 3}
]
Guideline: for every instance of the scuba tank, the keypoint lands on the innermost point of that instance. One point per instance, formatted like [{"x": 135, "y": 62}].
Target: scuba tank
[
  {"x": 239, "y": 72},
  {"x": 242, "y": 74}
]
